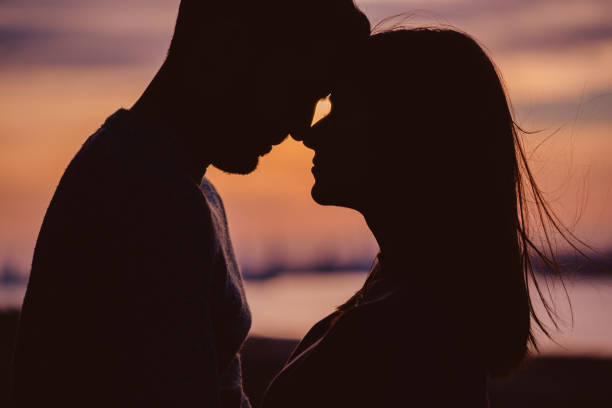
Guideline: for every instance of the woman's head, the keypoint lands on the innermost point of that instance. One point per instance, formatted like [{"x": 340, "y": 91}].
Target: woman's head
[
  {"x": 411, "y": 103},
  {"x": 421, "y": 134}
]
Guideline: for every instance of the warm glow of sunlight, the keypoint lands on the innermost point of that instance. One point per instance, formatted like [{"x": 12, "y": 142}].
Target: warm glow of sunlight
[
  {"x": 321, "y": 110},
  {"x": 66, "y": 67}
]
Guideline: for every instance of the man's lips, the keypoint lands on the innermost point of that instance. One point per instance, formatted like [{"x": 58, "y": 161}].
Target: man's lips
[{"x": 279, "y": 139}]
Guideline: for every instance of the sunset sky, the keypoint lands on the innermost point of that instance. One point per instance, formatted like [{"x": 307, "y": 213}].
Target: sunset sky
[{"x": 68, "y": 64}]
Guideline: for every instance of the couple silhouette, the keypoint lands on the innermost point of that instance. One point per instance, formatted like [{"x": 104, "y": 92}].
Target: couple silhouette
[{"x": 135, "y": 298}]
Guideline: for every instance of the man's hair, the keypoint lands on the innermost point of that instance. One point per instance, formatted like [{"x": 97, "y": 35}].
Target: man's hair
[{"x": 272, "y": 27}]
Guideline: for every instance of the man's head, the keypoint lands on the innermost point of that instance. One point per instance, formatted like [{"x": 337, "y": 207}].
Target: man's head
[{"x": 256, "y": 70}]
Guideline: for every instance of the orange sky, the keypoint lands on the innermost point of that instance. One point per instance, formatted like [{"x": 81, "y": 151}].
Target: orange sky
[{"x": 66, "y": 66}]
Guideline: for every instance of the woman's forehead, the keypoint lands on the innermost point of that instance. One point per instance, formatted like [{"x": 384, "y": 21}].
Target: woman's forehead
[{"x": 348, "y": 94}]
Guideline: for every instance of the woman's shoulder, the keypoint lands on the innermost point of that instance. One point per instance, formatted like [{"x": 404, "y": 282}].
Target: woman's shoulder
[
  {"x": 384, "y": 352},
  {"x": 411, "y": 346},
  {"x": 401, "y": 324},
  {"x": 389, "y": 310},
  {"x": 316, "y": 332}
]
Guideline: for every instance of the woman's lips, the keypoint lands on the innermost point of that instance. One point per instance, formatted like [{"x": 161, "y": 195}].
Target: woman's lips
[
  {"x": 316, "y": 165},
  {"x": 316, "y": 169}
]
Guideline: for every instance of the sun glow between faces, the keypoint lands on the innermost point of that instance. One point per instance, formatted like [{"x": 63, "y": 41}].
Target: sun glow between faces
[{"x": 322, "y": 109}]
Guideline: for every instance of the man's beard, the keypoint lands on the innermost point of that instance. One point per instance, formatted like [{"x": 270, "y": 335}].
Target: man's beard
[{"x": 237, "y": 163}]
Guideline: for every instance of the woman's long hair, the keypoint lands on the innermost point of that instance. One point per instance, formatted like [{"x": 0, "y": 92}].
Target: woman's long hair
[{"x": 439, "y": 88}]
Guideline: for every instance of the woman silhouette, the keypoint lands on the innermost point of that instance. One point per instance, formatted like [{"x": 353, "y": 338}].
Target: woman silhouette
[{"x": 421, "y": 141}]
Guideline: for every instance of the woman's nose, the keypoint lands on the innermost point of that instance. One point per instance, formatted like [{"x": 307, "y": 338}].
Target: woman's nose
[{"x": 313, "y": 136}]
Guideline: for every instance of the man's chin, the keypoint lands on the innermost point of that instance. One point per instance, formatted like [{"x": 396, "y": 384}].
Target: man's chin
[{"x": 237, "y": 165}]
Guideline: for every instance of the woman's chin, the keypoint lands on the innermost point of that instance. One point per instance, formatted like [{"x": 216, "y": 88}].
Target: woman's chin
[
  {"x": 319, "y": 195},
  {"x": 326, "y": 195}
]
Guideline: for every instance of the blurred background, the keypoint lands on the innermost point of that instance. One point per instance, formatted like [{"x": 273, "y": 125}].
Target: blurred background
[{"x": 66, "y": 65}]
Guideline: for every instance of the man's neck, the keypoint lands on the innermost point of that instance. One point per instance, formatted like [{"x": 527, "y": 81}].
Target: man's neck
[{"x": 169, "y": 101}]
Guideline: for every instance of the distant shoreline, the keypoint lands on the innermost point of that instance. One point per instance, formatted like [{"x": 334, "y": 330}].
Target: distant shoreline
[{"x": 571, "y": 265}]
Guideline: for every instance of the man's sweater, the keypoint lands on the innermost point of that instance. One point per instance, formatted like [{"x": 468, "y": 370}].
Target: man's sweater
[{"x": 134, "y": 298}]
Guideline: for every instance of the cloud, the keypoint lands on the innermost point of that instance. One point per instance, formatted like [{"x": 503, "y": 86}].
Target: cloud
[
  {"x": 594, "y": 108},
  {"x": 561, "y": 39},
  {"x": 83, "y": 33},
  {"x": 118, "y": 32},
  {"x": 31, "y": 46},
  {"x": 509, "y": 25}
]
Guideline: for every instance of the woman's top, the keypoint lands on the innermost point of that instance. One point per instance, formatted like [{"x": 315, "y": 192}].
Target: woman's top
[{"x": 393, "y": 349}]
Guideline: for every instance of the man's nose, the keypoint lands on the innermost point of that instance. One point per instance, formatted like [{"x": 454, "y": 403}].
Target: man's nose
[{"x": 298, "y": 133}]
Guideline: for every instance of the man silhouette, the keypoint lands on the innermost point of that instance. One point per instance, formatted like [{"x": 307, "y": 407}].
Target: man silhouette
[{"x": 134, "y": 295}]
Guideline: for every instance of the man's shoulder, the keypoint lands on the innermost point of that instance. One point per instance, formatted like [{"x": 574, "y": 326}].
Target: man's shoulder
[
  {"x": 103, "y": 184},
  {"x": 211, "y": 194}
]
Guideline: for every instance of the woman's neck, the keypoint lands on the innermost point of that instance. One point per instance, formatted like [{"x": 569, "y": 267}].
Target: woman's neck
[{"x": 390, "y": 234}]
